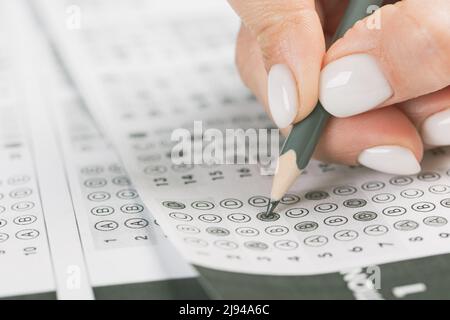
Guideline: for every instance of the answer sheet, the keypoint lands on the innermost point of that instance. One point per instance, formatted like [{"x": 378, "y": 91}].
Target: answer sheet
[
  {"x": 151, "y": 70},
  {"x": 40, "y": 253},
  {"x": 72, "y": 226}
]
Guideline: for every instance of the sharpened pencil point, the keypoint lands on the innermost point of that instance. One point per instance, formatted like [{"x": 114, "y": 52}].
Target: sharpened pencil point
[{"x": 271, "y": 207}]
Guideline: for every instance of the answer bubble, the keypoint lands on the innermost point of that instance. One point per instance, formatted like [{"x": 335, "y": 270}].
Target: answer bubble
[
  {"x": 136, "y": 223},
  {"x": 22, "y": 206},
  {"x": 428, "y": 176},
  {"x": 182, "y": 167},
  {"x": 202, "y": 205},
  {"x": 91, "y": 170},
  {"x": 210, "y": 218},
  {"x": 256, "y": 245},
  {"x": 326, "y": 207},
  {"x": 346, "y": 235},
  {"x": 335, "y": 221},
  {"x": 316, "y": 241},
  {"x": 95, "y": 182},
  {"x": 376, "y": 230},
  {"x": 306, "y": 226},
  {"x": 99, "y": 196},
  {"x": 268, "y": 217},
  {"x": 316, "y": 195},
  {"x": 18, "y": 180},
  {"x": 259, "y": 201},
  {"x": 20, "y": 193},
  {"x": 247, "y": 232},
  {"x": 155, "y": 170},
  {"x": 445, "y": 203},
  {"x": 373, "y": 186},
  {"x": 196, "y": 242},
  {"x": 406, "y": 225},
  {"x": 231, "y": 203},
  {"x": 411, "y": 193},
  {"x": 276, "y": 230},
  {"x": 121, "y": 181},
  {"x": 354, "y": 203},
  {"x": 285, "y": 244},
  {"x": 439, "y": 189},
  {"x": 423, "y": 206},
  {"x": 106, "y": 225},
  {"x": 394, "y": 211},
  {"x": 27, "y": 234},
  {"x": 435, "y": 221},
  {"x": 383, "y": 198},
  {"x": 102, "y": 210},
  {"x": 217, "y": 231},
  {"x": 115, "y": 168},
  {"x": 344, "y": 190},
  {"x": 180, "y": 216},
  {"x": 239, "y": 217},
  {"x": 132, "y": 208},
  {"x": 365, "y": 216},
  {"x": 400, "y": 181},
  {"x": 185, "y": 228},
  {"x": 25, "y": 219},
  {"x": 174, "y": 205},
  {"x": 296, "y": 212},
  {"x": 290, "y": 199},
  {"x": 3, "y": 237},
  {"x": 127, "y": 194},
  {"x": 226, "y": 244}
]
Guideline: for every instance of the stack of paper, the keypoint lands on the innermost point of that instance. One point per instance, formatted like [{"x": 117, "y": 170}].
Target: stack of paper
[{"x": 92, "y": 204}]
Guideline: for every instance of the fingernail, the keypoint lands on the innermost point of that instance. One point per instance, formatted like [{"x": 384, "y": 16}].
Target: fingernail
[
  {"x": 436, "y": 129},
  {"x": 282, "y": 94},
  {"x": 390, "y": 159},
  {"x": 352, "y": 85}
]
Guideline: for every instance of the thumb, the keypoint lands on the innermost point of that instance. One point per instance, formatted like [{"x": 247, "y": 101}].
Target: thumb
[
  {"x": 291, "y": 44},
  {"x": 403, "y": 55}
]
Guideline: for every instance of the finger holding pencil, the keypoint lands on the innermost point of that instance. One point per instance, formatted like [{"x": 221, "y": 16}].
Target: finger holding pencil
[
  {"x": 386, "y": 83},
  {"x": 304, "y": 136}
]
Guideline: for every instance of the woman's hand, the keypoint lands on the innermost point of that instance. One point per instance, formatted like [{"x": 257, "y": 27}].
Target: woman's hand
[{"x": 387, "y": 81}]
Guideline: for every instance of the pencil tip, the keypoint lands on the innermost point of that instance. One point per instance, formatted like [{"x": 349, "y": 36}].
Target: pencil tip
[{"x": 271, "y": 207}]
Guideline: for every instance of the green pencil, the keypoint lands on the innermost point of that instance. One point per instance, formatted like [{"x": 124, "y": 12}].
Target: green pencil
[{"x": 302, "y": 140}]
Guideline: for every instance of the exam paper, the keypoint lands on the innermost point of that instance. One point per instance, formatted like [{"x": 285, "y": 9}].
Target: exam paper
[
  {"x": 121, "y": 240},
  {"x": 72, "y": 226},
  {"x": 145, "y": 75},
  {"x": 40, "y": 253}
]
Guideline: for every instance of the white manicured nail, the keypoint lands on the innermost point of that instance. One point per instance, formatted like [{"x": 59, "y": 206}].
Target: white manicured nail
[
  {"x": 352, "y": 85},
  {"x": 283, "y": 96},
  {"x": 390, "y": 159},
  {"x": 436, "y": 129}
]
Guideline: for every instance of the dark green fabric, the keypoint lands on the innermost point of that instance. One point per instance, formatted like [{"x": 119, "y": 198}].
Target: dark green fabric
[
  {"x": 433, "y": 272},
  {"x": 185, "y": 289},
  {"x": 34, "y": 296},
  {"x": 230, "y": 285}
]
